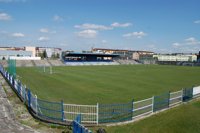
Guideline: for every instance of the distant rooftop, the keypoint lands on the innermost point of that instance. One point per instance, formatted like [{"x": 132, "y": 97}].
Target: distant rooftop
[
  {"x": 15, "y": 53},
  {"x": 126, "y": 50}
]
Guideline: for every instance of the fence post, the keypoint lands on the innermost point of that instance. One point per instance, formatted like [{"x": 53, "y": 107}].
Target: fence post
[
  {"x": 29, "y": 98},
  {"x": 25, "y": 93},
  {"x": 21, "y": 88},
  {"x": 7, "y": 75},
  {"x": 97, "y": 113},
  {"x": 13, "y": 81},
  {"x": 10, "y": 79},
  {"x": 36, "y": 104},
  {"x": 132, "y": 109},
  {"x": 62, "y": 110},
  {"x": 18, "y": 87},
  {"x": 152, "y": 104},
  {"x": 182, "y": 95},
  {"x": 168, "y": 99},
  {"x": 192, "y": 91}
]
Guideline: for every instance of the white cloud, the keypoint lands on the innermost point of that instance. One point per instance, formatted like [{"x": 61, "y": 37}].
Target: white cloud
[
  {"x": 91, "y": 30},
  {"x": 63, "y": 44},
  {"x": 18, "y": 34},
  {"x": 93, "y": 26},
  {"x": 44, "y": 30},
  {"x": 190, "y": 44},
  {"x": 135, "y": 34},
  {"x": 42, "y": 38},
  {"x": 186, "y": 49},
  {"x": 197, "y": 22},
  {"x": 192, "y": 41},
  {"x": 57, "y": 18},
  {"x": 5, "y": 16},
  {"x": 176, "y": 44},
  {"x": 87, "y": 33},
  {"x": 104, "y": 41},
  {"x": 116, "y": 24},
  {"x": 151, "y": 46}
]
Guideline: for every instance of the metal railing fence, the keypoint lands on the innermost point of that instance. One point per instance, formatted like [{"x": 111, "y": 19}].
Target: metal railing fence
[{"x": 99, "y": 113}]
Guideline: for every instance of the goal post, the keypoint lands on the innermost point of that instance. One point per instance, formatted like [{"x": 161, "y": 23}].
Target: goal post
[
  {"x": 48, "y": 69},
  {"x": 45, "y": 69}
]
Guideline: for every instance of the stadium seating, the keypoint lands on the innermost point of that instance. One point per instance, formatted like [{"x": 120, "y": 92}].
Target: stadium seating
[
  {"x": 56, "y": 62},
  {"x": 90, "y": 63},
  {"x": 31, "y": 63},
  {"x": 42, "y": 63},
  {"x": 24, "y": 63},
  {"x": 127, "y": 62}
]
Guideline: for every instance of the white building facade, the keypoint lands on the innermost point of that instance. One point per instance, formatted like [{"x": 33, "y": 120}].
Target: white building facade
[{"x": 178, "y": 57}]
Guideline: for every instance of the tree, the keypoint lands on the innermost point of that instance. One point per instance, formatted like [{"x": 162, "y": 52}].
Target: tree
[
  {"x": 58, "y": 55},
  {"x": 44, "y": 54},
  {"x": 53, "y": 56},
  {"x": 41, "y": 55}
]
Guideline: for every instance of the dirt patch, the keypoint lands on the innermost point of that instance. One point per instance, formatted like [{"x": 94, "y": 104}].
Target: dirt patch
[{"x": 21, "y": 115}]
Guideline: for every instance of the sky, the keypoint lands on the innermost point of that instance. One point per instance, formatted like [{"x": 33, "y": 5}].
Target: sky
[{"x": 162, "y": 26}]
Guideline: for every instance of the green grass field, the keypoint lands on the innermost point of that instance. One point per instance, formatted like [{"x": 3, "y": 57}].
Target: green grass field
[
  {"x": 183, "y": 119},
  {"x": 107, "y": 84}
]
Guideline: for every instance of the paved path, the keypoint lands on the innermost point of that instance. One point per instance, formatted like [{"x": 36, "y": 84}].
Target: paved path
[{"x": 8, "y": 124}]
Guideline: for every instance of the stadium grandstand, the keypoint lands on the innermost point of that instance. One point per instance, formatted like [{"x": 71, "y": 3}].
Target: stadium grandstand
[
  {"x": 124, "y": 54},
  {"x": 129, "y": 56},
  {"x": 71, "y": 58}
]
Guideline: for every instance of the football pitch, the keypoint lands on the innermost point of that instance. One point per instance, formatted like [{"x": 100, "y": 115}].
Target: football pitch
[{"x": 107, "y": 84}]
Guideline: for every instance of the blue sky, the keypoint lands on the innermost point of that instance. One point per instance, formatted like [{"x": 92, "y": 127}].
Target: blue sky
[{"x": 163, "y": 26}]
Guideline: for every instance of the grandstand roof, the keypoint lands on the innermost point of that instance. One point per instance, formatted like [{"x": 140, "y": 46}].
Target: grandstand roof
[{"x": 91, "y": 54}]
